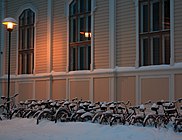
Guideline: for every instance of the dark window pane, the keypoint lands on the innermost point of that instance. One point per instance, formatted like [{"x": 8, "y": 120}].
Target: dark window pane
[
  {"x": 22, "y": 19},
  {"x": 20, "y": 39},
  {"x": 156, "y": 51},
  {"x": 155, "y": 16},
  {"x": 73, "y": 8},
  {"x": 32, "y": 37},
  {"x": 28, "y": 64},
  {"x": 89, "y": 27},
  {"x": 73, "y": 58},
  {"x": 32, "y": 62},
  {"x": 23, "y": 64},
  {"x": 89, "y": 5},
  {"x": 167, "y": 14},
  {"x": 82, "y": 3},
  {"x": 145, "y": 52},
  {"x": 23, "y": 39},
  {"x": 89, "y": 57},
  {"x": 82, "y": 34},
  {"x": 167, "y": 50},
  {"x": 82, "y": 58},
  {"x": 28, "y": 17},
  {"x": 145, "y": 18},
  {"x": 28, "y": 38},
  {"x": 89, "y": 24},
  {"x": 72, "y": 30}
]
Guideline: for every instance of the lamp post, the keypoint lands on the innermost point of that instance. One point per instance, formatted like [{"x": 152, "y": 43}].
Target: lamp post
[{"x": 10, "y": 23}]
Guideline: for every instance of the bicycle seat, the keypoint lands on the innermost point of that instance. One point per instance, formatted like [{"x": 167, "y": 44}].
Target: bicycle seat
[
  {"x": 159, "y": 103},
  {"x": 169, "y": 106},
  {"x": 121, "y": 107},
  {"x": 154, "y": 107},
  {"x": 3, "y": 97}
]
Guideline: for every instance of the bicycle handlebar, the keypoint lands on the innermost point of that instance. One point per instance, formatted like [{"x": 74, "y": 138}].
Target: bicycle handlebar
[
  {"x": 11, "y": 97},
  {"x": 127, "y": 103}
]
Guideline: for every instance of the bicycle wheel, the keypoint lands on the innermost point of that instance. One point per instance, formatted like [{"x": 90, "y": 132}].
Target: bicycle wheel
[
  {"x": 149, "y": 121},
  {"x": 161, "y": 121},
  {"x": 105, "y": 119},
  {"x": 16, "y": 113},
  {"x": 138, "y": 121},
  {"x": 45, "y": 114},
  {"x": 178, "y": 126},
  {"x": 62, "y": 116},
  {"x": 86, "y": 118},
  {"x": 96, "y": 118},
  {"x": 117, "y": 120}
]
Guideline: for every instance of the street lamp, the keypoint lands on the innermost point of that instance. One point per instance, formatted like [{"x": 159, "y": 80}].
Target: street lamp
[{"x": 10, "y": 23}]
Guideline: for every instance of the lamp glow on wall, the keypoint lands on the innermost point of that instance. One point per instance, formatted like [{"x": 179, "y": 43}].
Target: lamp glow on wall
[{"x": 9, "y": 23}]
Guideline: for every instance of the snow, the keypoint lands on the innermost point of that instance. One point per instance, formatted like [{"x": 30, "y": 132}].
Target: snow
[{"x": 26, "y": 129}]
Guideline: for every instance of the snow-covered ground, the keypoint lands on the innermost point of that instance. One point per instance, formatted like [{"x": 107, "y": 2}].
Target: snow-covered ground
[{"x": 26, "y": 129}]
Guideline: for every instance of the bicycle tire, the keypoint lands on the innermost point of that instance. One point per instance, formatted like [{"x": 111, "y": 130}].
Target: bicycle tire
[
  {"x": 117, "y": 121},
  {"x": 62, "y": 115},
  {"x": 149, "y": 121},
  {"x": 178, "y": 126},
  {"x": 105, "y": 119}
]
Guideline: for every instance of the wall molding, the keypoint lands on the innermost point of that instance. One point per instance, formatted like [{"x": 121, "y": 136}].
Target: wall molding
[{"x": 118, "y": 71}]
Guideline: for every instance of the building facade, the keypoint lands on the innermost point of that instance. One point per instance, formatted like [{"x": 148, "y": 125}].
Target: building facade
[{"x": 98, "y": 50}]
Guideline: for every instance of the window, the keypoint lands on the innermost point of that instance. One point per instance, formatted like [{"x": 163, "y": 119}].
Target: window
[
  {"x": 154, "y": 32},
  {"x": 26, "y": 42},
  {"x": 80, "y": 35}
]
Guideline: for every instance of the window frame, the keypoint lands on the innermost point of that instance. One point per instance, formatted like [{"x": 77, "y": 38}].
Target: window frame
[
  {"x": 77, "y": 43},
  {"x": 151, "y": 34},
  {"x": 26, "y": 52}
]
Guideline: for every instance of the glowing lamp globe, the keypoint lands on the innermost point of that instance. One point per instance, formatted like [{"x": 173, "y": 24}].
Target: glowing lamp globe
[{"x": 10, "y": 23}]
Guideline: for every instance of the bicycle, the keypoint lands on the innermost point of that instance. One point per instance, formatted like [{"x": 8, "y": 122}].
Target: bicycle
[{"x": 6, "y": 111}]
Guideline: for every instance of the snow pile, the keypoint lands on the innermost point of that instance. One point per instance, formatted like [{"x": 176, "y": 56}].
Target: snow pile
[{"x": 26, "y": 129}]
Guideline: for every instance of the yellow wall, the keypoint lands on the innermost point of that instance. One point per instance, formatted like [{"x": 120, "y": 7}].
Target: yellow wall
[
  {"x": 79, "y": 89},
  {"x": 25, "y": 90},
  {"x": 101, "y": 35},
  {"x": 177, "y": 31},
  {"x": 101, "y": 89},
  {"x": 154, "y": 89},
  {"x": 59, "y": 89},
  {"x": 41, "y": 90},
  {"x": 125, "y": 33},
  {"x": 5, "y": 88},
  {"x": 126, "y": 89},
  {"x": 178, "y": 86},
  {"x": 59, "y": 43}
]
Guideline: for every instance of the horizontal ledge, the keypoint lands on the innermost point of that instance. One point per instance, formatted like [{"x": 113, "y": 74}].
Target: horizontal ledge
[{"x": 106, "y": 72}]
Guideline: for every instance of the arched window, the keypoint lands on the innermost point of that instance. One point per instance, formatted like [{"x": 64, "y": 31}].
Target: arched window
[
  {"x": 80, "y": 35},
  {"x": 26, "y": 42}
]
